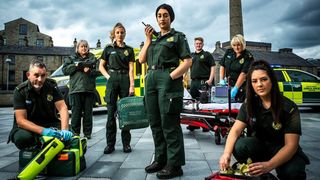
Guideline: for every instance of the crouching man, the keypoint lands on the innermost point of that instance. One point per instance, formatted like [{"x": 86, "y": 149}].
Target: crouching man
[{"x": 35, "y": 103}]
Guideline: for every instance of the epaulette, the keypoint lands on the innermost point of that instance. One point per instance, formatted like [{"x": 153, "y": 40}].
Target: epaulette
[
  {"x": 51, "y": 82},
  {"x": 229, "y": 50},
  {"x": 129, "y": 46},
  {"x": 22, "y": 85},
  {"x": 181, "y": 33},
  {"x": 248, "y": 53},
  {"x": 288, "y": 105},
  {"x": 110, "y": 45}
]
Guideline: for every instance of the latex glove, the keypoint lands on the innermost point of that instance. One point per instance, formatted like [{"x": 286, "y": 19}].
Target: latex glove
[
  {"x": 50, "y": 132},
  {"x": 222, "y": 82},
  {"x": 234, "y": 92},
  {"x": 66, "y": 135}
]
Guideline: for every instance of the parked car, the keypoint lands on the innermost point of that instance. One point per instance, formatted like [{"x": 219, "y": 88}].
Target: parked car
[{"x": 300, "y": 86}]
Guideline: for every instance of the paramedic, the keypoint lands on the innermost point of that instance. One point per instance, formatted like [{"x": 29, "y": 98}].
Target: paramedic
[
  {"x": 81, "y": 67},
  {"x": 202, "y": 72},
  {"x": 164, "y": 92},
  {"x": 116, "y": 65},
  {"x": 274, "y": 121},
  {"x": 36, "y": 102},
  {"x": 234, "y": 66}
]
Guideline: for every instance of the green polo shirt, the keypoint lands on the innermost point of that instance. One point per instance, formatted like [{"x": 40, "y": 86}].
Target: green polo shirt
[
  {"x": 234, "y": 66},
  {"x": 262, "y": 122},
  {"x": 118, "y": 58},
  {"x": 40, "y": 106},
  {"x": 167, "y": 50},
  {"x": 201, "y": 65}
]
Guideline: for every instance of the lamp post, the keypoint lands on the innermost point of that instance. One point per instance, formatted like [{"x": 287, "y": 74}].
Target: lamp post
[{"x": 8, "y": 68}]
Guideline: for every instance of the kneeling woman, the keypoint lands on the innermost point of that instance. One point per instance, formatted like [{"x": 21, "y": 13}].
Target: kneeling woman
[{"x": 275, "y": 124}]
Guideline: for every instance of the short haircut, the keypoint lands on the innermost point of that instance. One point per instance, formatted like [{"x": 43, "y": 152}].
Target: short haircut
[
  {"x": 238, "y": 39},
  {"x": 37, "y": 63},
  {"x": 199, "y": 39}
]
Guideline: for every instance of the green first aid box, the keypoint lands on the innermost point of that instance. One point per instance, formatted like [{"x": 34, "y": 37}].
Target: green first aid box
[
  {"x": 67, "y": 163},
  {"x": 71, "y": 160},
  {"x": 131, "y": 113}
]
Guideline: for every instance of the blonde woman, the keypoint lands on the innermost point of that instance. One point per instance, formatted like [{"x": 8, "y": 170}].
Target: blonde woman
[
  {"x": 234, "y": 67},
  {"x": 116, "y": 65}
]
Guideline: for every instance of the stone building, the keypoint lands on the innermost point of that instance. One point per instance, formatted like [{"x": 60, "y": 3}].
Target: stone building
[
  {"x": 20, "y": 42},
  {"x": 283, "y": 58}
]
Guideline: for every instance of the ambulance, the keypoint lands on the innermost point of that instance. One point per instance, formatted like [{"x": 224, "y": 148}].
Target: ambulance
[
  {"x": 101, "y": 81},
  {"x": 300, "y": 86}
]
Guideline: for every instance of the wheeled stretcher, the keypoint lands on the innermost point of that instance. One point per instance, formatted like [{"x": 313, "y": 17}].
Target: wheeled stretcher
[{"x": 217, "y": 116}]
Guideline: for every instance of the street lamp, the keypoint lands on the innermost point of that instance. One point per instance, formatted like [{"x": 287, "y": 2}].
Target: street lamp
[{"x": 8, "y": 68}]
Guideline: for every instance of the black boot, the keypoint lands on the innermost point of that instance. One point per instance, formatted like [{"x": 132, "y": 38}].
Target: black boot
[
  {"x": 154, "y": 167},
  {"x": 108, "y": 149},
  {"x": 169, "y": 172}
]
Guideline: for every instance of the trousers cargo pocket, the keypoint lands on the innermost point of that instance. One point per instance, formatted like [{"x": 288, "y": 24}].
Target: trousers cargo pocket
[{"x": 174, "y": 102}]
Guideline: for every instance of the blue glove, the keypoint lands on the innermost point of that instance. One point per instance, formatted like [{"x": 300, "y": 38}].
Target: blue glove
[
  {"x": 222, "y": 82},
  {"x": 51, "y": 132},
  {"x": 66, "y": 135},
  {"x": 234, "y": 92}
]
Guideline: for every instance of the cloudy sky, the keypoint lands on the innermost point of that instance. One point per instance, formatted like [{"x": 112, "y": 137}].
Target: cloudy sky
[{"x": 286, "y": 23}]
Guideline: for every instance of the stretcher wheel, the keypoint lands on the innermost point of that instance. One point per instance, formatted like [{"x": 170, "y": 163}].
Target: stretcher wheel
[{"x": 217, "y": 138}]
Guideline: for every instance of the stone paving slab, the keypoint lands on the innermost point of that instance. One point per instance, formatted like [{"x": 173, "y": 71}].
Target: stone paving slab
[{"x": 202, "y": 154}]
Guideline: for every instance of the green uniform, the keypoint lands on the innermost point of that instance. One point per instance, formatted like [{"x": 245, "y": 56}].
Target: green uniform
[
  {"x": 81, "y": 90},
  {"x": 41, "y": 110},
  {"x": 164, "y": 96},
  {"x": 234, "y": 66},
  {"x": 118, "y": 85},
  {"x": 267, "y": 141},
  {"x": 200, "y": 71}
]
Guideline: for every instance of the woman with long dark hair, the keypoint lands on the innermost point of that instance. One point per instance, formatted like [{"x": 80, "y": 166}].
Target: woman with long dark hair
[{"x": 276, "y": 128}]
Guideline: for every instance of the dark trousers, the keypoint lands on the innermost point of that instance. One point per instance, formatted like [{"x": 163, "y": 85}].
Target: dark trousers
[
  {"x": 117, "y": 86},
  {"x": 163, "y": 104},
  {"x": 24, "y": 139},
  {"x": 81, "y": 106},
  {"x": 260, "y": 151},
  {"x": 196, "y": 85}
]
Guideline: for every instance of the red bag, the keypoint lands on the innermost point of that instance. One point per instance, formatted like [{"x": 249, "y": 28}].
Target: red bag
[{"x": 218, "y": 176}]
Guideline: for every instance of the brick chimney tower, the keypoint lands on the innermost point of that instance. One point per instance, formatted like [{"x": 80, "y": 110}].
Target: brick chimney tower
[{"x": 236, "y": 24}]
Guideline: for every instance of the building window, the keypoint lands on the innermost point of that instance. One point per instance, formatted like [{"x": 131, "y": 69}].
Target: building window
[
  {"x": 12, "y": 74},
  {"x": 40, "y": 42},
  {"x": 24, "y": 76},
  {"x": 4, "y": 41},
  {"x": 23, "y": 29},
  {"x": 21, "y": 42}
]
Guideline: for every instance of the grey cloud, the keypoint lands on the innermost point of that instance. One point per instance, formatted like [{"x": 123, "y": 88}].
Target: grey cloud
[{"x": 303, "y": 13}]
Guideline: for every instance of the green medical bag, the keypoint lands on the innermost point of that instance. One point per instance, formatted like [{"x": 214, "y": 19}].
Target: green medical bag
[
  {"x": 71, "y": 160},
  {"x": 131, "y": 113}
]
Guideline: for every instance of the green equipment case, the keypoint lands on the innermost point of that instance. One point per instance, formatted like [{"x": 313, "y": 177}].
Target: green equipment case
[
  {"x": 71, "y": 160},
  {"x": 131, "y": 113}
]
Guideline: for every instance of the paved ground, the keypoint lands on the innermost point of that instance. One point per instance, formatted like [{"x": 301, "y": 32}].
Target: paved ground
[{"x": 202, "y": 153}]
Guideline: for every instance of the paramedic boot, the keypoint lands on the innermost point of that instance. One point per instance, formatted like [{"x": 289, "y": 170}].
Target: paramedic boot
[{"x": 169, "y": 172}]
